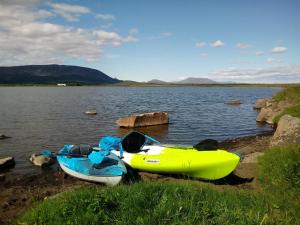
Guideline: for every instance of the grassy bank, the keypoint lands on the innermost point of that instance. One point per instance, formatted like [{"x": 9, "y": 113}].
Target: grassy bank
[
  {"x": 184, "y": 203},
  {"x": 292, "y": 95}
]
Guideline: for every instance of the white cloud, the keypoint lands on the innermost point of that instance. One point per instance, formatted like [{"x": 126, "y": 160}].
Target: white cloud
[
  {"x": 275, "y": 74},
  {"x": 105, "y": 16},
  {"x": 68, "y": 11},
  {"x": 103, "y": 37},
  {"x": 217, "y": 44},
  {"x": 26, "y": 39},
  {"x": 243, "y": 45},
  {"x": 259, "y": 53},
  {"x": 279, "y": 49},
  {"x": 200, "y": 44}
]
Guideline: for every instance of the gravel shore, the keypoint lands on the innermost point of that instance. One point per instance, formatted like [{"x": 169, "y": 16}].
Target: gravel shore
[{"x": 21, "y": 192}]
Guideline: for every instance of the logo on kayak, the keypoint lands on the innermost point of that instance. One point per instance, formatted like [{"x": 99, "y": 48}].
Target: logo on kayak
[{"x": 152, "y": 161}]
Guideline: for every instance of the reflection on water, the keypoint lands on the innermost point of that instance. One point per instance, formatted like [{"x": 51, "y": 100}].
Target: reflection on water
[{"x": 53, "y": 116}]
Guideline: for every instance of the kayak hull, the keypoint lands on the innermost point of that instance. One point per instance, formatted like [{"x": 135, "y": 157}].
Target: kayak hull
[
  {"x": 97, "y": 166},
  {"x": 210, "y": 165},
  {"x": 109, "y": 180}
]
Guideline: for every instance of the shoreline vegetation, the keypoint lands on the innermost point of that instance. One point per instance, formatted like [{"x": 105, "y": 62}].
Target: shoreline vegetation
[
  {"x": 264, "y": 189},
  {"x": 153, "y": 203}
]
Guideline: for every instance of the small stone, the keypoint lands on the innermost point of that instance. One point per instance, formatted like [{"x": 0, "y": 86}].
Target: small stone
[
  {"x": 2, "y": 136},
  {"x": 91, "y": 112},
  {"x": 41, "y": 160},
  {"x": 2, "y": 177},
  {"x": 233, "y": 102},
  {"x": 7, "y": 162}
]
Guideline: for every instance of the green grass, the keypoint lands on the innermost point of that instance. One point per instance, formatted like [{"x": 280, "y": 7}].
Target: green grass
[
  {"x": 292, "y": 95},
  {"x": 279, "y": 175},
  {"x": 183, "y": 203},
  {"x": 293, "y": 111},
  {"x": 151, "y": 203}
]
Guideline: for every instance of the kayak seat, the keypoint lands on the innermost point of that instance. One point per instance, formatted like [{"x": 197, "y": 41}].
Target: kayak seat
[
  {"x": 83, "y": 150},
  {"x": 105, "y": 163},
  {"x": 133, "y": 142},
  {"x": 207, "y": 145}
]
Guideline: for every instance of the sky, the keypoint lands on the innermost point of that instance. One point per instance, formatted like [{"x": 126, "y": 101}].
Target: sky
[{"x": 228, "y": 41}]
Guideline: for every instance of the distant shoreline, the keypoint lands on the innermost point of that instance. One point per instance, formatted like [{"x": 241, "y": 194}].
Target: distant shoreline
[{"x": 135, "y": 84}]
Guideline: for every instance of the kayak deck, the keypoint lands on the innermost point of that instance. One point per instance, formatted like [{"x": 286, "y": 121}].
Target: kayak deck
[{"x": 210, "y": 165}]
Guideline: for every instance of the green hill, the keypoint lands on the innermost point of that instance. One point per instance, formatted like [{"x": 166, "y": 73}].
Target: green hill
[{"x": 53, "y": 74}]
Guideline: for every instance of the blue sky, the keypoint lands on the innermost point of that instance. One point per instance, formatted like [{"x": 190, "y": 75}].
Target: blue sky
[{"x": 240, "y": 41}]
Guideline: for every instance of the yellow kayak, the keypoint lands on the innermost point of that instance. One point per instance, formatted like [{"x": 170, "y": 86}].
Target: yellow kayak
[
  {"x": 209, "y": 165},
  {"x": 199, "y": 163}
]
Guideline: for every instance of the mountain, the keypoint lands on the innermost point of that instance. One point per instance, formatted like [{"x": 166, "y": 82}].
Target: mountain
[
  {"x": 190, "y": 80},
  {"x": 196, "y": 80},
  {"x": 155, "y": 81},
  {"x": 53, "y": 74}
]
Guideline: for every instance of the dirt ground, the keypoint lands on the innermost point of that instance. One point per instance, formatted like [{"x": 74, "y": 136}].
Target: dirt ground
[{"x": 21, "y": 192}]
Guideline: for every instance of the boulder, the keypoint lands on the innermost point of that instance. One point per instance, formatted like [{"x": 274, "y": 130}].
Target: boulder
[
  {"x": 287, "y": 132},
  {"x": 41, "y": 160},
  {"x": 260, "y": 103},
  {"x": 233, "y": 102},
  {"x": 7, "y": 162},
  {"x": 264, "y": 114},
  {"x": 271, "y": 110},
  {"x": 145, "y": 119},
  {"x": 271, "y": 103},
  {"x": 2, "y": 136}
]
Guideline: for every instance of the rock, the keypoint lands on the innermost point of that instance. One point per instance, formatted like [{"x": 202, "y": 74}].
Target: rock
[
  {"x": 2, "y": 136},
  {"x": 41, "y": 160},
  {"x": 2, "y": 177},
  {"x": 233, "y": 102},
  {"x": 271, "y": 110},
  {"x": 91, "y": 112},
  {"x": 260, "y": 103},
  {"x": 145, "y": 119},
  {"x": 287, "y": 132},
  {"x": 270, "y": 102},
  {"x": 264, "y": 114},
  {"x": 7, "y": 162}
]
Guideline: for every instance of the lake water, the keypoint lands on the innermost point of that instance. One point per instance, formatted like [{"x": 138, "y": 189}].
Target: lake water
[{"x": 53, "y": 116}]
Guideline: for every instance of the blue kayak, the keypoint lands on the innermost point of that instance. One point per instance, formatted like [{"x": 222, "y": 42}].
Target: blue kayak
[{"x": 91, "y": 164}]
